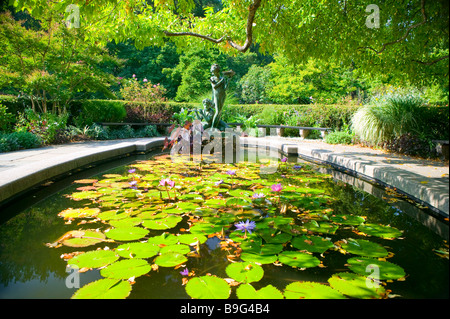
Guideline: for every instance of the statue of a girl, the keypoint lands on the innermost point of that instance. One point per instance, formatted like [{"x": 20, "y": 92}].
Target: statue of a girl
[{"x": 219, "y": 86}]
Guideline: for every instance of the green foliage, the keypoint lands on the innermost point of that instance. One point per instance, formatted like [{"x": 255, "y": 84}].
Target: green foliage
[
  {"x": 339, "y": 138},
  {"x": 255, "y": 85},
  {"x": 18, "y": 140},
  {"x": 97, "y": 111},
  {"x": 49, "y": 127},
  {"x": 390, "y": 116},
  {"x": 50, "y": 64},
  {"x": 6, "y": 118}
]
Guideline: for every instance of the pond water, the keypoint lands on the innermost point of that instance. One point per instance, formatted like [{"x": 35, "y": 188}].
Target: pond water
[{"x": 159, "y": 229}]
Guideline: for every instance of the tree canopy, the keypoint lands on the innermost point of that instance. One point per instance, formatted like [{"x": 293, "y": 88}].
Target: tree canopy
[{"x": 409, "y": 38}]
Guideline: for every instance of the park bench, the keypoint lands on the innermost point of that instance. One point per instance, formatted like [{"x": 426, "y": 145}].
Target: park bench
[{"x": 303, "y": 131}]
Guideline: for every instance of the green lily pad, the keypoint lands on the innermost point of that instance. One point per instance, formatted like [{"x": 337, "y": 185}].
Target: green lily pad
[
  {"x": 311, "y": 290},
  {"x": 127, "y": 268},
  {"x": 177, "y": 248},
  {"x": 137, "y": 250},
  {"x": 382, "y": 270},
  {"x": 382, "y": 231},
  {"x": 162, "y": 223},
  {"x": 245, "y": 272},
  {"x": 104, "y": 289},
  {"x": 248, "y": 292},
  {"x": 127, "y": 233},
  {"x": 348, "y": 220},
  {"x": 164, "y": 239},
  {"x": 79, "y": 213},
  {"x": 93, "y": 259},
  {"x": 298, "y": 259},
  {"x": 208, "y": 287},
  {"x": 85, "y": 195},
  {"x": 258, "y": 258},
  {"x": 170, "y": 259},
  {"x": 192, "y": 239},
  {"x": 364, "y": 248},
  {"x": 84, "y": 238},
  {"x": 205, "y": 228},
  {"x": 356, "y": 286},
  {"x": 126, "y": 222},
  {"x": 313, "y": 244},
  {"x": 257, "y": 248},
  {"x": 274, "y": 236},
  {"x": 322, "y": 227}
]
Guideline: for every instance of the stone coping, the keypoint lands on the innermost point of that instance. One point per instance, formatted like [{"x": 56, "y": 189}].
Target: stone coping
[{"x": 22, "y": 170}]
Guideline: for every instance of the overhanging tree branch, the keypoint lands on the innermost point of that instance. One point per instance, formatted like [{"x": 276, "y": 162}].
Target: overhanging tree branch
[
  {"x": 408, "y": 31},
  {"x": 249, "y": 31}
]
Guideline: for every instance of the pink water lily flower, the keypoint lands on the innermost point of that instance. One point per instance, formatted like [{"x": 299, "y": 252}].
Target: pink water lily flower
[
  {"x": 276, "y": 187},
  {"x": 166, "y": 182}
]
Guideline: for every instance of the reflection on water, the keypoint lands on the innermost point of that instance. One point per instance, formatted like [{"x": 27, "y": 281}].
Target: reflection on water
[{"x": 29, "y": 269}]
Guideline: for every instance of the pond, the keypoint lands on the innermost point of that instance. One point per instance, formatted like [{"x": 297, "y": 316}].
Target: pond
[{"x": 160, "y": 229}]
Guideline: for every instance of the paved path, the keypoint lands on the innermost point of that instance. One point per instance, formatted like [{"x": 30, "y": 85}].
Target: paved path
[
  {"x": 24, "y": 169},
  {"x": 423, "y": 179}
]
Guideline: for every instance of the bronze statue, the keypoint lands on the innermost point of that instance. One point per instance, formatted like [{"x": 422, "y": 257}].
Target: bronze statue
[{"x": 212, "y": 109}]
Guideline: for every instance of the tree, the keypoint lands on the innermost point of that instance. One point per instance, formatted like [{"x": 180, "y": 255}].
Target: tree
[
  {"x": 50, "y": 63},
  {"x": 408, "y": 39}
]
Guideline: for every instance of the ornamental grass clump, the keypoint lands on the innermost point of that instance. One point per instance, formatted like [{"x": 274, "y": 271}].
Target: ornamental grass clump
[{"x": 388, "y": 116}]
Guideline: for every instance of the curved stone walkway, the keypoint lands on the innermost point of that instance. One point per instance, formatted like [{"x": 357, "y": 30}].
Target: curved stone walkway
[
  {"x": 425, "y": 180},
  {"x": 25, "y": 169}
]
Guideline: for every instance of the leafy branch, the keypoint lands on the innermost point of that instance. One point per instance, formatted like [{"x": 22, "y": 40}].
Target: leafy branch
[{"x": 249, "y": 31}]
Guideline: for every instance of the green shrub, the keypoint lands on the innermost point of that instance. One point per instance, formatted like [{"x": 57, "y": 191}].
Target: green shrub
[
  {"x": 339, "y": 137},
  {"x": 93, "y": 111},
  {"x": 6, "y": 118},
  {"x": 18, "y": 140},
  {"x": 49, "y": 127},
  {"x": 389, "y": 116},
  {"x": 147, "y": 131}
]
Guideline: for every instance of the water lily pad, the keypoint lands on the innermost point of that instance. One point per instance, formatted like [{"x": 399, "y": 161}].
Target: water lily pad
[
  {"x": 127, "y": 233},
  {"x": 170, "y": 259},
  {"x": 313, "y": 244},
  {"x": 382, "y": 270},
  {"x": 383, "y": 231},
  {"x": 245, "y": 272},
  {"x": 83, "y": 238},
  {"x": 208, "y": 287},
  {"x": 258, "y": 258},
  {"x": 177, "y": 248},
  {"x": 274, "y": 236},
  {"x": 125, "y": 222},
  {"x": 364, "y": 248},
  {"x": 322, "y": 227},
  {"x": 93, "y": 259},
  {"x": 355, "y": 286},
  {"x": 79, "y": 213},
  {"x": 162, "y": 223},
  {"x": 85, "y": 195},
  {"x": 311, "y": 290},
  {"x": 163, "y": 239},
  {"x": 247, "y": 291},
  {"x": 298, "y": 259},
  {"x": 104, "y": 289},
  {"x": 192, "y": 239},
  {"x": 137, "y": 250},
  {"x": 348, "y": 220},
  {"x": 127, "y": 268},
  {"x": 206, "y": 228}
]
